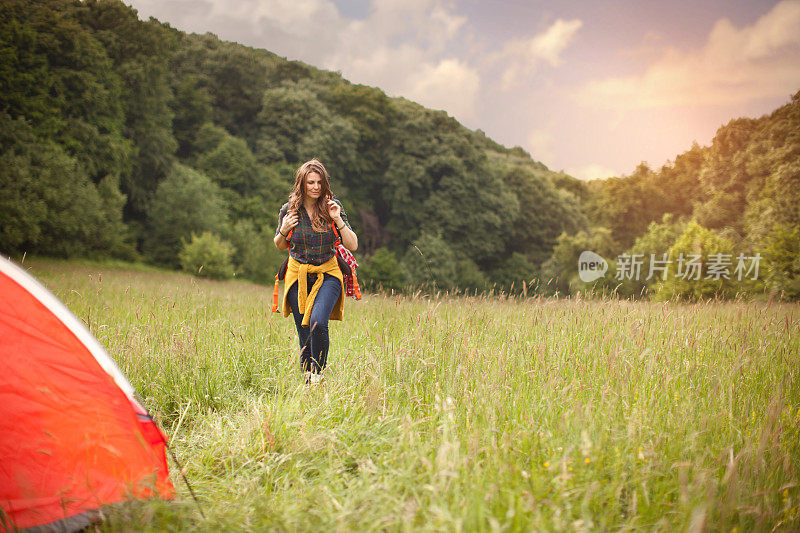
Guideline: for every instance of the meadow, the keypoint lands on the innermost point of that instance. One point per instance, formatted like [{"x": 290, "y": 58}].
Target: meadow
[{"x": 455, "y": 413}]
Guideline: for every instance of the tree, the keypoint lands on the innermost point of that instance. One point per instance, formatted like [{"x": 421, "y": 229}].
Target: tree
[
  {"x": 560, "y": 273},
  {"x": 652, "y": 245},
  {"x": 25, "y": 80},
  {"x": 192, "y": 109},
  {"x": 186, "y": 201},
  {"x": 255, "y": 256},
  {"x": 429, "y": 262},
  {"x": 705, "y": 244},
  {"x": 139, "y": 52},
  {"x": 626, "y": 205},
  {"x": 301, "y": 126},
  {"x": 116, "y": 237},
  {"x": 232, "y": 165},
  {"x": 438, "y": 180},
  {"x": 48, "y": 204},
  {"x": 207, "y": 255},
  {"x": 372, "y": 115},
  {"x": 724, "y": 177},
  {"x": 515, "y": 270},
  {"x": 782, "y": 253},
  {"x": 60, "y": 78},
  {"x": 382, "y": 270},
  {"x": 545, "y": 212}
]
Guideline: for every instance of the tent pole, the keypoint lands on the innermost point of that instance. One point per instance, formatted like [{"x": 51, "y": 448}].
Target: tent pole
[{"x": 185, "y": 480}]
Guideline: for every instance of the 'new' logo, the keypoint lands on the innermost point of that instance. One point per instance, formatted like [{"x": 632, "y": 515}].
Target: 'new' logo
[{"x": 591, "y": 266}]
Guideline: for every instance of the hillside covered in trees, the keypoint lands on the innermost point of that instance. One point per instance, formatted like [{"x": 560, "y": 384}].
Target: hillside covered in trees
[
  {"x": 738, "y": 196},
  {"x": 134, "y": 140}
]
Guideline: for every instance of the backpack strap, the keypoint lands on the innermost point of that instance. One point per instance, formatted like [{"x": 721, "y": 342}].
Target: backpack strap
[
  {"x": 275, "y": 296},
  {"x": 276, "y": 290}
]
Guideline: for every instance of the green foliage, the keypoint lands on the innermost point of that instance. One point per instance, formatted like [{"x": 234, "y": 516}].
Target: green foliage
[
  {"x": 680, "y": 182},
  {"x": 438, "y": 180},
  {"x": 139, "y": 51},
  {"x": 117, "y": 239},
  {"x": 782, "y": 253},
  {"x": 207, "y": 256},
  {"x": 301, "y": 126},
  {"x": 56, "y": 53},
  {"x": 626, "y": 206},
  {"x": 429, "y": 262},
  {"x": 515, "y": 272},
  {"x": 560, "y": 272},
  {"x": 545, "y": 212},
  {"x": 209, "y": 137},
  {"x": 741, "y": 186},
  {"x": 724, "y": 177},
  {"x": 372, "y": 115},
  {"x": 25, "y": 80},
  {"x": 705, "y": 243},
  {"x": 192, "y": 109},
  {"x": 186, "y": 201},
  {"x": 775, "y": 159},
  {"x": 255, "y": 255},
  {"x": 149, "y": 126},
  {"x": 231, "y": 164},
  {"x": 469, "y": 276},
  {"x": 654, "y": 244},
  {"x": 381, "y": 271},
  {"x": 233, "y": 75},
  {"x": 48, "y": 204}
]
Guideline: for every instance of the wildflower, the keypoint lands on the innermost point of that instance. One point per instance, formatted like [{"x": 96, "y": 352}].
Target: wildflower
[
  {"x": 546, "y": 464},
  {"x": 587, "y": 460}
]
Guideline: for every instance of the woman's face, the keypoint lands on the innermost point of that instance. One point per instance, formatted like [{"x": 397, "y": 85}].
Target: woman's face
[{"x": 313, "y": 185}]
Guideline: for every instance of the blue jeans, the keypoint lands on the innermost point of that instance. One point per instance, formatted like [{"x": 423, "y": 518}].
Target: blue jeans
[{"x": 314, "y": 339}]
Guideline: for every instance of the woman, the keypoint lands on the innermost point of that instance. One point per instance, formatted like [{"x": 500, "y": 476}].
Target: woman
[{"x": 313, "y": 287}]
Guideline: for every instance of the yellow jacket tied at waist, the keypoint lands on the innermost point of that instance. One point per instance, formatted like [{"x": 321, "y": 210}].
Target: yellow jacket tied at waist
[{"x": 298, "y": 272}]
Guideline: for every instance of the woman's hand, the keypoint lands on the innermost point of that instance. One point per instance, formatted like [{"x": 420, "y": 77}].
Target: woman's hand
[
  {"x": 349, "y": 238},
  {"x": 290, "y": 220},
  {"x": 335, "y": 211}
]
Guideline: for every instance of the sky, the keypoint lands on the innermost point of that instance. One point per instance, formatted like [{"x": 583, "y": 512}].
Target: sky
[{"x": 592, "y": 88}]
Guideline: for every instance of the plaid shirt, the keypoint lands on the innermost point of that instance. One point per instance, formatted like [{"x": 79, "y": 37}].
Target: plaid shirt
[{"x": 307, "y": 245}]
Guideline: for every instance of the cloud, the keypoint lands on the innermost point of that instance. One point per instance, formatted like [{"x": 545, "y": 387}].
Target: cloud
[
  {"x": 298, "y": 17},
  {"x": 540, "y": 145},
  {"x": 523, "y": 56},
  {"x": 592, "y": 171},
  {"x": 400, "y": 46},
  {"x": 451, "y": 85},
  {"x": 734, "y": 66}
]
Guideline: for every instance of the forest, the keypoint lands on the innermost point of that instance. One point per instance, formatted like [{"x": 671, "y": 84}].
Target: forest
[{"x": 132, "y": 140}]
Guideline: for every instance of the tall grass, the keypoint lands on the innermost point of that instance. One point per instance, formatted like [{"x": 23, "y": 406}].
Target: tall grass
[{"x": 469, "y": 413}]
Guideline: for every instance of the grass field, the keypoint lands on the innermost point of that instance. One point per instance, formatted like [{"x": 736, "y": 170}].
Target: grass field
[{"x": 474, "y": 414}]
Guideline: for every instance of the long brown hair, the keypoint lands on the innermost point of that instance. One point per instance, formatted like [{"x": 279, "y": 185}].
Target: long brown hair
[{"x": 319, "y": 214}]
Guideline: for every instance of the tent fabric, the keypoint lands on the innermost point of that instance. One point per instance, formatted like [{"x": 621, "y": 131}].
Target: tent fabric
[{"x": 72, "y": 436}]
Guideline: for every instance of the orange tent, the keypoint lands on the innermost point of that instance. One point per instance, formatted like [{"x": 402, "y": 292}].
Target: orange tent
[{"x": 72, "y": 436}]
